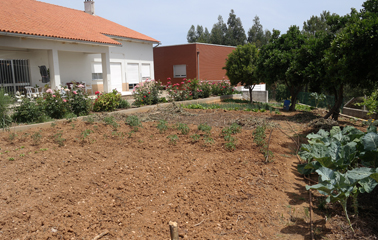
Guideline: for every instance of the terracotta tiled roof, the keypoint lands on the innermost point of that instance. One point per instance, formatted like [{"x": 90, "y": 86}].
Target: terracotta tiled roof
[{"x": 32, "y": 17}]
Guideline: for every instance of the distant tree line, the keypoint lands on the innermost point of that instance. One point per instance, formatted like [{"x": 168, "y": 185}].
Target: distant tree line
[{"x": 231, "y": 33}]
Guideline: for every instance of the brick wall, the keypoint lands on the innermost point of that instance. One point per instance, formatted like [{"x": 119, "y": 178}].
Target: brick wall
[{"x": 212, "y": 58}]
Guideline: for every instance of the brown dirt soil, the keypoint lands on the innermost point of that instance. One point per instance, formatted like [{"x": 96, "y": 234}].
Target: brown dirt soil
[{"x": 126, "y": 185}]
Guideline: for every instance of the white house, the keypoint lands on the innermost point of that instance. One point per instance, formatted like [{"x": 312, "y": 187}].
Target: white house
[{"x": 73, "y": 45}]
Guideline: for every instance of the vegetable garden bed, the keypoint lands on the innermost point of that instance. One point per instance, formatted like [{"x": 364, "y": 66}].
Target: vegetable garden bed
[{"x": 111, "y": 174}]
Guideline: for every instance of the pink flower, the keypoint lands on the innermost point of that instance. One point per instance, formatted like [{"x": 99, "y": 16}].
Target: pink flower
[
  {"x": 80, "y": 86},
  {"x": 64, "y": 100},
  {"x": 169, "y": 79},
  {"x": 49, "y": 90},
  {"x": 189, "y": 81},
  {"x": 74, "y": 92},
  {"x": 97, "y": 92},
  {"x": 54, "y": 96},
  {"x": 182, "y": 82},
  {"x": 149, "y": 92}
]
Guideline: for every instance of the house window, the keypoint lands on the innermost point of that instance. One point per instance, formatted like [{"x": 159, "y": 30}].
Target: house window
[
  {"x": 97, "y": 71},
  {"x": 146, "y": 73},
  {"x": 179, "y": 71},
  {"x": 14, "y": 75},
  {"x": 132, "y": 85}
]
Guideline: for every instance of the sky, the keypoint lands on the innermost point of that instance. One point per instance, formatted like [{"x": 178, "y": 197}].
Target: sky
[{"x": 168, "y": 21}]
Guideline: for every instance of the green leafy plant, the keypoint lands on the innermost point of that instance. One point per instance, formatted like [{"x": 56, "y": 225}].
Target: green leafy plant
[
  {"x": 109, "y": 120},
  {"x": 134, "y": 122},
  {"x": 339, "y": 186},
  {"x": 195, "y": 137},
  {"x": 183, "y": 128},
  {"x": 318, "y": 98},
  {"x": 173, "y": 139},
  {"x": 85, "y": 134},
  {"x": 371, "y": 103},
  {"x": 162, "y": 126},
  {"x": 106, "y": 102},
  {"x": 11, "y": 159},
  {"x": 204, "y": 127},
  {"x": 70, "y": 117}
]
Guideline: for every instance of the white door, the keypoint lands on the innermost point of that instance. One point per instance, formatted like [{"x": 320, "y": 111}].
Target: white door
[{"x": 116, "y": 76}]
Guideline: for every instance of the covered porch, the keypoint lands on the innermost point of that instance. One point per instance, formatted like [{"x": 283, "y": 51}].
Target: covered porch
[{"x": 66, "y": 61}]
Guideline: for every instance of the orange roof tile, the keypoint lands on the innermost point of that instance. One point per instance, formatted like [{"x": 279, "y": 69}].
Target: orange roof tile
[{"x": 32, "y": 17}]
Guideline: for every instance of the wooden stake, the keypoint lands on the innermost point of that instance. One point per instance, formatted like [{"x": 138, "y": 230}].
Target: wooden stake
[{"x": 174, "y": 230}]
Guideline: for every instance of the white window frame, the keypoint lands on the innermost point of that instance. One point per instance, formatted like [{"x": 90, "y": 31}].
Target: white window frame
[
  {"x": 179, "y": 71},
  {"x": 146, "y": 73}
]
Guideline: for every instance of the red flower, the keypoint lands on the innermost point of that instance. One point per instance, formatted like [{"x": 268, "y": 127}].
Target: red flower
[
  {"x": 184, "y": 79},
  {"x": 149, "y": 92},
  {"x": 97, "y": 92},
  {"x": 144, "y": 96}
]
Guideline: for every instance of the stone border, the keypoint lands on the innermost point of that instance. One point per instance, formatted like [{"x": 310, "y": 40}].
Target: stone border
[{"x": 131, "y": 111}]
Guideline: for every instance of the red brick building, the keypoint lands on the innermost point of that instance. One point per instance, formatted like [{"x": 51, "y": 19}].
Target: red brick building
[{"x": 193, "y": 60}]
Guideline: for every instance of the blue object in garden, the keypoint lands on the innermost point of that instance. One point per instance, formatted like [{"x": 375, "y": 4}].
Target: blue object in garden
[{"x": 286, "y": 105}]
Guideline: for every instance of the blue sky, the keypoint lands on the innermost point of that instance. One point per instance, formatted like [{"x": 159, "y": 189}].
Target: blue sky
[{"x": 169, "y": 20}]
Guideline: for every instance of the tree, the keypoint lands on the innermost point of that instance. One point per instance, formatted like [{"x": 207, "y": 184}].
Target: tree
[
  {"x": 353, "y": 55},
  {"x": 235, "y": 34},
  {"x": 241, "y": 66},
  {"x": 198, "y": 35},
  {"x": 256, "y": 33},
  {"x": 218, "y": 32},
  {"x": 316, "y": 24},
  {"x": 191, "y": 36},
  {"x": 280, "y": 61}
]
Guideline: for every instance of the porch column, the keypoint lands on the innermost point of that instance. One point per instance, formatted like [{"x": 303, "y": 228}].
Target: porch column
[
  {"x": 106, "y": 77},
  {"x": 54, "y": 68}
]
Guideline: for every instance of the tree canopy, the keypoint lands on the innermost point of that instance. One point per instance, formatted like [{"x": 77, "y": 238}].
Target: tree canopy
[
  {"x": 241, "y": 66},
  {"x": 256, "y": 34}
]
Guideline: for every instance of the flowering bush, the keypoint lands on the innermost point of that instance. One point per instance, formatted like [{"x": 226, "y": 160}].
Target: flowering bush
[
  {"x": 53, "y": 104},
  {"x": 78, "y": 100},
  {"x": 107, "y": 102},
  {"x": 175, "y": 93},
  {"x": 222, "y": 88},
  {"x": 147, "y": 93}
]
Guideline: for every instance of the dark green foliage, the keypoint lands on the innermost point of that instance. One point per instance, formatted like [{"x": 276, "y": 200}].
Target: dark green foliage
[
  {"x": 29, "y": 112},
  {"x": 235, "y": 34},
  {"x": 241, "y": 66}
]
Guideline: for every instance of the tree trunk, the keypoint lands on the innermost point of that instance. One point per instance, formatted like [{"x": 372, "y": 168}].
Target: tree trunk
[
  {"x": 335, "y": 110},
  {"x": 294, "y": 96},
  {"x": 250, "y": 88}
]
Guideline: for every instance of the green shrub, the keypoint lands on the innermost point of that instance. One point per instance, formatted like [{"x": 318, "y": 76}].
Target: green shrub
[
  {"x": 107, "y": 102},
  {"x": 124, "y": 104},
  {"x": 204, "y": 127},
  {"x": 29, "y": 112}
]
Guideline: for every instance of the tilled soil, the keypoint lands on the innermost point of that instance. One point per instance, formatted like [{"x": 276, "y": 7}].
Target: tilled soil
[{"x": 82, "y": 180}]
